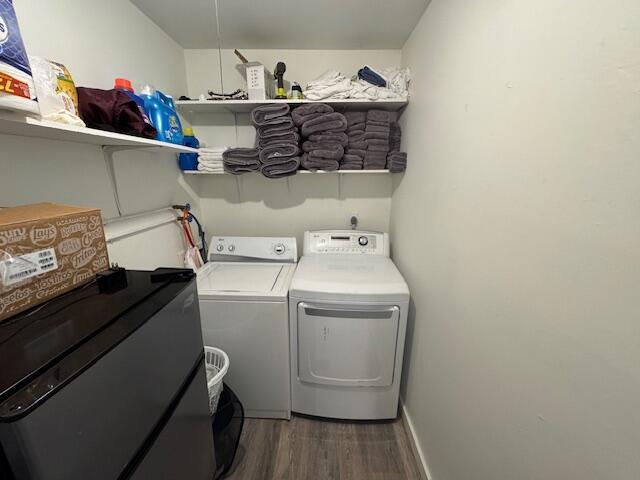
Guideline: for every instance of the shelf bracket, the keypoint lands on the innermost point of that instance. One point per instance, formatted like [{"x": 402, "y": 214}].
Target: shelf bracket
[{"x": 107, "y": 153}]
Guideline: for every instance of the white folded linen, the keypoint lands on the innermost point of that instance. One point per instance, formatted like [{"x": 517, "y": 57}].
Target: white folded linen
[
  {"x": 331, "y": 84},
  {"x": 364, "y": 90},
  {"x": 398, "y": 80},
  {"x": 210, "y": 169}
]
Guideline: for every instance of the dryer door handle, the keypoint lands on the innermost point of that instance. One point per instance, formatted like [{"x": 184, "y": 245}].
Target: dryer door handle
[{"x": 320, "y": 311}]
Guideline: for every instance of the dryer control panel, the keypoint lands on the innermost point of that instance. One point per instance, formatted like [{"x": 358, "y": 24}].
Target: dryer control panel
[
  {"x": 274, "y": 249},
  {"x": 346, "y": 242}
]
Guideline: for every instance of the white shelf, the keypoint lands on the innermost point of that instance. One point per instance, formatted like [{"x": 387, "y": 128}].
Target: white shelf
[
  {"x": 339, "y": 172},
  {"x": 245, "y": 106},
  {"x": 16, "y": 124}
]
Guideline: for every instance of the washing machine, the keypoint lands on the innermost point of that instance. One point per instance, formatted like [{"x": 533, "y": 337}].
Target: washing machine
[
  {"x": 348, "y": 308},
  {"x": 244, "y": 310}
]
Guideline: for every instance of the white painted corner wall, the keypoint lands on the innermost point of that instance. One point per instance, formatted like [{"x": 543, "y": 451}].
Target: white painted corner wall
[{"x": 516, "y": 227}]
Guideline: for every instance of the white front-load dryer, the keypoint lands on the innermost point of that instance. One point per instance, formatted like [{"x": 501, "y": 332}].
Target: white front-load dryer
[
  {"x": 243, "y": 293},
  {"x": 348, "y": 315}
]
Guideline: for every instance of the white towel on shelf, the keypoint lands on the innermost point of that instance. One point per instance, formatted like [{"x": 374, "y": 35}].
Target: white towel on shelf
[
  {"x": 398, "y": 80},
  {"x": 365, "y": 90},
  {"x": 210, "y": 168},
  {"x": 330, "y": 85}
]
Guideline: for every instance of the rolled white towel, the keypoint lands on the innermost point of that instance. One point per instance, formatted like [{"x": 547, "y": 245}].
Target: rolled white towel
[
  {"x": 210, "y": 169},
  {"x": 210, "y": 162}
]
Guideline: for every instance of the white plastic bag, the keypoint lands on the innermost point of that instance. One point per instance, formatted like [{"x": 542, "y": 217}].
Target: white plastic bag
[{"x": 56, "y": 103}]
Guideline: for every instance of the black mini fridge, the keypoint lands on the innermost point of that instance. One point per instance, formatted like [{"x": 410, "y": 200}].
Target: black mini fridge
[{"x": 107, "y": 386}]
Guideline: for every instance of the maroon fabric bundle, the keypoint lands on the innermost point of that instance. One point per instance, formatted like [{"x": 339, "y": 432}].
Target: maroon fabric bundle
[{"x": 113, "y": 111}]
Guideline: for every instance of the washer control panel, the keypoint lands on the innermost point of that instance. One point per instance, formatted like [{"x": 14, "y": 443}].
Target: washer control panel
[
  {"x": 277, "y": 249},
  {"x": 346, "y": 242}
]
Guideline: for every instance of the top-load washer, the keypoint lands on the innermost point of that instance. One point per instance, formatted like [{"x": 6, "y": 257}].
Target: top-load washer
[
  {"x": 348, "y": 315},
  {"x": 244, "y": 310}
]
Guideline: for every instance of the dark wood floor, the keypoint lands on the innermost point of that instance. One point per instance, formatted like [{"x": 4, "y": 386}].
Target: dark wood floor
[{"x": 305, "y": 448}]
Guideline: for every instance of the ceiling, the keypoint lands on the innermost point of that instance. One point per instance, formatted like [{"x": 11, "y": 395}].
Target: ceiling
[{"x": 287, "y": 24}]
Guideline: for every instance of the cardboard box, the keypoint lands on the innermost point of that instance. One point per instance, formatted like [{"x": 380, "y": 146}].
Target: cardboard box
[
  {"x": 47, "y": 250},
  {"x": 260, "y": 82}
]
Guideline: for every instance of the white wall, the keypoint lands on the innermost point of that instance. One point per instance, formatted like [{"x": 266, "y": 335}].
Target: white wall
[
  {"x": 97, "y": 41},
  {"x": 252, "y": 205},
  {"x": 516, "y": 226},
  {"x": 203, "y": 66}
]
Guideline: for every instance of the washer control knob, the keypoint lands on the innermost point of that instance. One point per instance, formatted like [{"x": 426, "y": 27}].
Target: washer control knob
[
  {"x": 364, "y": 241},
  {"x": 279, "y": 249},
  {"x": 220, "y": 247},
  {"x": 232, "y": 248}
]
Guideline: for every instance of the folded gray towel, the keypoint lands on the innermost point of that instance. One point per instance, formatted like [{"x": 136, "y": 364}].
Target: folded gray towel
[
  {"x": 355, "y": 117},
  {"x": 285, "y": 136},
  {"x": 361, "y": 145},
  {"x": 330, "y": 137},
  {"x": 377, "y": 141},
  {"x": 309, "y": 111},
  {"x": 351, "y": 162},
  {"x": 371, "y": 123},
  {"x": 359, "y": 135},
  {"x": 285, "y": 168},
  {"x": 377, "y": 129},
  {"x": 333, "y": 151},
  {"x": 279, "y": 125},
  {"x": 397, "y": 162},
  {"x": 378, "y": 148},
  {"x": 278, "y": 152},
  {"x": 310, "y": 146},
  {"x": 315, "y": 163},
  {"x": 355, "y": 151},
  {"x": 376, "y": 135},
  {"x": 357, "y": 126},
  {"x": 395, "y": 137},
  {"x": 377, "y": 116},
  {"x": 334, "y": 122},
  {"x": 268, "y": 114},
  {"x": 240, "y": 160}
]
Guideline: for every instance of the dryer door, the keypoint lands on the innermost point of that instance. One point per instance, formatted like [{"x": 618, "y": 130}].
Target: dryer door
[{"x": 349, "y": 346}]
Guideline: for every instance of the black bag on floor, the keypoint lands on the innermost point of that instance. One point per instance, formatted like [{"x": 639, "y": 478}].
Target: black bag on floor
[{"x": 227, "y": 428}]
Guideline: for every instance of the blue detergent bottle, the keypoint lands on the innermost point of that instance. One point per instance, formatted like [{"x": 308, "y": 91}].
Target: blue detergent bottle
[
  {"x": 125, "y": 85},
  {"x": 162, "y": 114},
  {"x": 189, "y": 161}
]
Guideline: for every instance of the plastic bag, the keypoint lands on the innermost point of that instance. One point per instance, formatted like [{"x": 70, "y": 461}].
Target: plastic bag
[
  {"x": 56, "y": 91},
  {"x": 16, "y": 83}
]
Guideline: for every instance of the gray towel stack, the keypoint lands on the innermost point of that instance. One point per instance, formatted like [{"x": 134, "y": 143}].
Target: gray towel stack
[
  {"x": 397, "y": 162},
  {"x": 376, "y": 136},
  {"x": 278, "y": 140},
  {"x": 323, "y": 132},
  {"x": 241, "y": 160},
  {"x": 395, "y": 137},
  {"x": 356, "y": 149}
]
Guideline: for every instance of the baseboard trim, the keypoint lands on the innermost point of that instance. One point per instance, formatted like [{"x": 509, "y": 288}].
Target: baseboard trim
[{"x": 415, "y": 443}]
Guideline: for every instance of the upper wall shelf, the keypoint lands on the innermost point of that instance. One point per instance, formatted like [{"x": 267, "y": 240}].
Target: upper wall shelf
[
  {"x": 245, "y": 106},
  {"x": 15, "y": 124}
]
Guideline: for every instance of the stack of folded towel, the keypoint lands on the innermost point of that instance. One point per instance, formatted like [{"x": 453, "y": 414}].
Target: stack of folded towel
[
  {"x": 323, "y": 132},
  {"x": 357, "y": 148},
  {"x": 376, "y": 137},
  {"x": 278, "y": 140},
  {"x": 395, "y": 137},
  {"x": 240, "y": 160},
  {"x": 397, "y": 162},
  {"x": 210, "y": 159}
]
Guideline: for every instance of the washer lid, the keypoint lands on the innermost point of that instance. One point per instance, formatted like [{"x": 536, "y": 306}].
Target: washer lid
[
  {"x": 349, "y": 277},
  {"x": 218, "y": 280}
]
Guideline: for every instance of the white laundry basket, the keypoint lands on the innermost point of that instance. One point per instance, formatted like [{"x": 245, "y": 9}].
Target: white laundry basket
[{"x": 217, "y": 363}]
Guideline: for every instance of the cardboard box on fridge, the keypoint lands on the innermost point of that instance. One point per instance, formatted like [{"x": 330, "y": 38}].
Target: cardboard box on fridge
[{"x": 46, "y": 250}]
